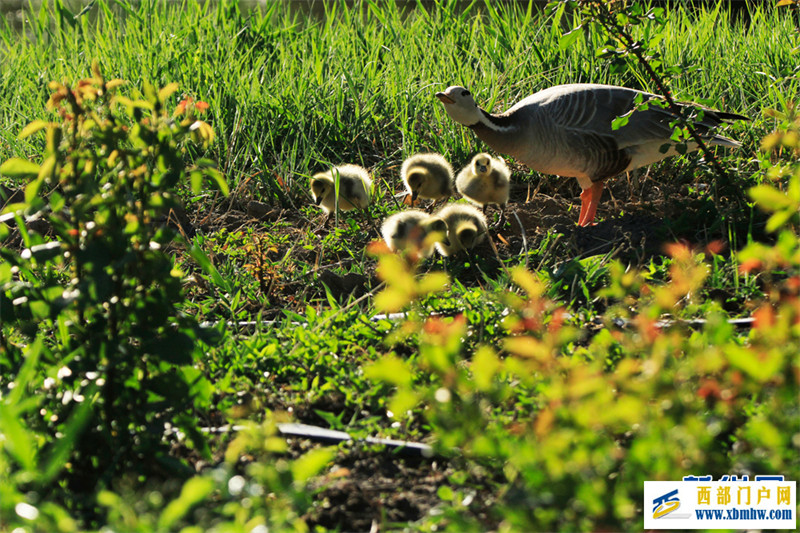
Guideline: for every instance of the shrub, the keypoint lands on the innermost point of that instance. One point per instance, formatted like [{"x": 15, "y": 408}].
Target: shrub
[{"x": 94, "y": 346}]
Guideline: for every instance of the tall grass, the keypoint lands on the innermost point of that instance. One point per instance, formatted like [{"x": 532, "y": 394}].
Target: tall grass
[{"x": 291, "y": 94}]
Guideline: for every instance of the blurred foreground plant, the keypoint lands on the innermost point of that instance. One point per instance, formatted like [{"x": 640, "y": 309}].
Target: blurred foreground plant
[
  {"x": 576, "y": 423},
  {"x": 92, "y": 341}
]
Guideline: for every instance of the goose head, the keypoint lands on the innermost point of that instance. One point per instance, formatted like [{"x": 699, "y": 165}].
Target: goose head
[{"x": 460, "y": 105}]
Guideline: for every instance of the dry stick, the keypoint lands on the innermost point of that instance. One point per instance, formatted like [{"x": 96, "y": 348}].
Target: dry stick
[
  {"x": 497, "y": 254},
  {"x": 610, "y": 22},
  {"x": 524, "y": 238},
  {"x": 549, "y": 249}
]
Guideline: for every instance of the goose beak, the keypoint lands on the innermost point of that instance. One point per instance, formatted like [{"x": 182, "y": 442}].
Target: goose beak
[{"x": 444, "y": 98}]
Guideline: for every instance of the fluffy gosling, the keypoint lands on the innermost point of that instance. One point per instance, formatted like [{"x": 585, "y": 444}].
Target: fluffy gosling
[
  {"x": 466, "y": 227},
  {"x": 427, "y": 176},
  {"x": 486, "y": 180},
  {"x": 413, "y": 230},
  {"x": 355, "y": 188}
]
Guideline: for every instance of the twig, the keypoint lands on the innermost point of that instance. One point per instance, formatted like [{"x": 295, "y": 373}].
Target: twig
[{"x": 603, "y": 13}]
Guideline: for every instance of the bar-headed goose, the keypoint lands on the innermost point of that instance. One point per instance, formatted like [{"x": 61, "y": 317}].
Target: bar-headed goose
[
  {"x": 566, "y": 130},
  {"x": 413, "y": 231},
  {"x": 427, "y": 176},
  {"x": 355, "y": 188},
  {"x": 466, "y": 227},
  {"x": 486, "y": 180}
]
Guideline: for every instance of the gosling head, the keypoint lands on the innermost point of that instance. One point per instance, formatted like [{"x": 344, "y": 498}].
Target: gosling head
[
  {"x": 482, "y": 163},
  {"x": 321, "y": 187},
  {"x": 436, "y": 230},
  {"x": 460, "y": 105},
  {"x": 416, "y": 178},
  {"x": 467, "y": 235}
]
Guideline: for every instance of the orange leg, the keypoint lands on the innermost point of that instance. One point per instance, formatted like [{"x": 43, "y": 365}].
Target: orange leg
[{"x": 590, "y": 199}]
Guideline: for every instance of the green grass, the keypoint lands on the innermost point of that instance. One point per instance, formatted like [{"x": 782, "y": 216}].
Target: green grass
[{"x": 290, "y": 95}]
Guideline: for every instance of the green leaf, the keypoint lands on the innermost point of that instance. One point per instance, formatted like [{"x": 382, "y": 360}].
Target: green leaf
[
  {"x": 196, "y": 180},
  {"x": 312, "y": 464},
  {"x": 445, "y": 493},
  {"x": 620, "y": 121},
  {"x": 485, "y": 365},
  {"x": 17, "y": 167},
  {"x": 48, "y": 165},
  {"x": 194, "y": 491},
  {"x": 403, "y": 402},
  {"x": 390, "y": 369},
  {"x": 769, "y": 198},
  {"x": 32, "y": 128},
  {"x": 761, "y": 366},
  {"x": 779, "y": 219},
  {"x": 167, "y": 91},
  {"x": 392, "y": 299},
  {"x": 569, "y": 38},
  {"x": 18, "y": 442},
  {"x": 433, "y": 282},
  {"x": 204, "y": 262},
  {"x": 218, "y": 179},
  {"x": 32, "y": 190}
]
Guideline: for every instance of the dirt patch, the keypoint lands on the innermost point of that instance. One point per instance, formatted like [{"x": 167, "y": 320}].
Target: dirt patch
[
  {"x": 639, "y": 214},
  {"x": 369, "y": 487}
]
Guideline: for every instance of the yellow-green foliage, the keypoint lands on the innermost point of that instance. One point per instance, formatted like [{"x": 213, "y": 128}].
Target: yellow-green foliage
[{"x": 653, "y": 400}]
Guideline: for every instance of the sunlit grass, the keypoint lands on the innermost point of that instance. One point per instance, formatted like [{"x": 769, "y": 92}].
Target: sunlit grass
[{"x": 292, "y": 94}]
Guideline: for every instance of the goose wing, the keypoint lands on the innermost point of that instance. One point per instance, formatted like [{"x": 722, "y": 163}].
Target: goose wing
[{"x": 589, "y": 110}]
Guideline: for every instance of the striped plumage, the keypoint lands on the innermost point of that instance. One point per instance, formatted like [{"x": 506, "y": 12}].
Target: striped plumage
[{"x": 566, "y": 130}]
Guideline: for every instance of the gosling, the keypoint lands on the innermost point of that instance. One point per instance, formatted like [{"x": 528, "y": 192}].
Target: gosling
[
  {"x": 355, "y": 189},
  {"x": 428, "y": 176},
  {"x": 466, "y": 228},
  {"x": 486, "y": 180},
  {"x": 413, "y": 231}
]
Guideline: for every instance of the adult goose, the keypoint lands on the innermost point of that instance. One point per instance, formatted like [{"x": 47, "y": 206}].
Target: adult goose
[{"x": 566, "y": 130}]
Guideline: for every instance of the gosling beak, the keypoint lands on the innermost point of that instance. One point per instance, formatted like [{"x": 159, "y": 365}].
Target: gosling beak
[
  {"x": 414, "y": 195},
  {"x": 318, "y": 200},
  {"x": 482, "y": 168},
  {"x": 444, "y": 98}
]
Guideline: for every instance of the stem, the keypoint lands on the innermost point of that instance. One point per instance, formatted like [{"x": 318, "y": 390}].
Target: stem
[{"x": 602, "y": 12}]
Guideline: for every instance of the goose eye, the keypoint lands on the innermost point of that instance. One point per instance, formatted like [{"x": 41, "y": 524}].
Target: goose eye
[{"x": 465, "y": 93}]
